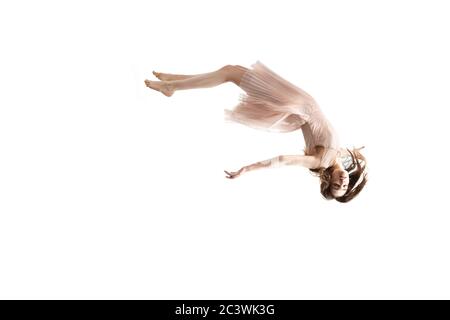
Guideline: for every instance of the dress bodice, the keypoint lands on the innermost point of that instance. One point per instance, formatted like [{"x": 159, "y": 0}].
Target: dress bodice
[{"x": 318, "y": 131}]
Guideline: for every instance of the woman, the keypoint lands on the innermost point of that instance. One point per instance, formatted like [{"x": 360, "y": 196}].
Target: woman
[{"x": 274, "y": 104}]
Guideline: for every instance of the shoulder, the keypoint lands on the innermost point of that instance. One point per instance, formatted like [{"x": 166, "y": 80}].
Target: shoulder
[
  {"x": 317, "y": 150},
  {"x": 328, "y": 157},
  {"x": 312, "y": 162}
]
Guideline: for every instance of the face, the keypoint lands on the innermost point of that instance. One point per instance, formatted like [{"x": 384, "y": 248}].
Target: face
[{"x": 339, "y": 182}]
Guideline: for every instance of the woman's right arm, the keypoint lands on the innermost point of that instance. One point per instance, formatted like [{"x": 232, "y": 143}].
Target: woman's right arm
[{"x": 310, "y": 162}]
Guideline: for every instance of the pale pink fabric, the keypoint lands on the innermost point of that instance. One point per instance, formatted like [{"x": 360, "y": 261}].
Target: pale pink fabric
[{"x": 274, "y": 104}]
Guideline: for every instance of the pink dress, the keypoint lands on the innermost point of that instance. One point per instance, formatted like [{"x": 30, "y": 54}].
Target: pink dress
[{"x": 274, "y": 104}]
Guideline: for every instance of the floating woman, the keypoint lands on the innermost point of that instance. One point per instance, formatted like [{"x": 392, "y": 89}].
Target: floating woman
[{"x": 274, "y": 104}]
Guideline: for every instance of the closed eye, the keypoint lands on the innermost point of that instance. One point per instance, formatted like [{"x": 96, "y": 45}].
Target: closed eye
[{"x": 337, "y": 187}]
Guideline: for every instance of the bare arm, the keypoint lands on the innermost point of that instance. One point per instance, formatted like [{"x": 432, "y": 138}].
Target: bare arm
[
  {"x": 310, "y": 162},
  {"x": 282, "y": 160}
]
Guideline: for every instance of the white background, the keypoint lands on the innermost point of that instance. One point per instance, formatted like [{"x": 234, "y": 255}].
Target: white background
[{"x": 111, "y": 190}]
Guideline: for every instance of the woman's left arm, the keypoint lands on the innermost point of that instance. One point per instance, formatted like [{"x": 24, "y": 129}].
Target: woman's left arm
[{"x": 275, "y": 162}]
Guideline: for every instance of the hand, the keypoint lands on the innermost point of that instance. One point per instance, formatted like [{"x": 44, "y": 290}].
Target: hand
[{"x": 235, "y": 174}]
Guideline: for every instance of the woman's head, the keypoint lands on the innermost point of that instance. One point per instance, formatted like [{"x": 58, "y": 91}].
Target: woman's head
[{"x": 341, "y": 184}]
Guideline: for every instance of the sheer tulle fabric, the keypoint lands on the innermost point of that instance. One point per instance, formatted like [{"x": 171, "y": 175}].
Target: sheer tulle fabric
[
  {"x": 270, "y": 102},
  {"x": 274, "y": 104}
]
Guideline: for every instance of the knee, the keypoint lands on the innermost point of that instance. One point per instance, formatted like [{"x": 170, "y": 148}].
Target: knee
[
  {"x": 228, "y": 68},
  {"x": 231, "y": 72}
]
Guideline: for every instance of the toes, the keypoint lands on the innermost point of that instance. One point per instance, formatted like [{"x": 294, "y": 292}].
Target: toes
[
  {"x": 148, "y": 83},
  {"x": 157, "y": 74}
]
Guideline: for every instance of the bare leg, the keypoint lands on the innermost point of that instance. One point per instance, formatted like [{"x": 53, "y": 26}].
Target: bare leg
[
  {"x": 234, "y": 71},
  {"x": 204, "y": 80},
  {"x": 170, "y": 76}
]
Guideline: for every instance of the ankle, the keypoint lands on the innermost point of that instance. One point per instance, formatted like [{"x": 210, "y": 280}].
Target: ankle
[{"x": 170, "y": 85}]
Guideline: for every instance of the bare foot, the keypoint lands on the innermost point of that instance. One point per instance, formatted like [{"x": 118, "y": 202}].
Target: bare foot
[
  {"x": 169, "y": 77},
  {"x": 161, "y": 86}
]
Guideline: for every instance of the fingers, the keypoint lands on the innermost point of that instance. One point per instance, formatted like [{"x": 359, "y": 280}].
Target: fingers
[
  {"x": 231, "y": 175},
  {"x": 228, "y": 174}
]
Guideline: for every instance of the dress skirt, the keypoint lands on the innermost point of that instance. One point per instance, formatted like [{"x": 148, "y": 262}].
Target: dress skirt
[{"x": 270, "y": 102}]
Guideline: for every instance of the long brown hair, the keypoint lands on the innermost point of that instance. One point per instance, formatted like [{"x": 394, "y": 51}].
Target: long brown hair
[{"x": 356, "y": 170}]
